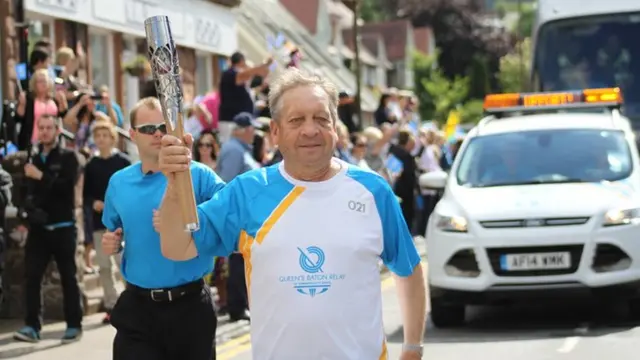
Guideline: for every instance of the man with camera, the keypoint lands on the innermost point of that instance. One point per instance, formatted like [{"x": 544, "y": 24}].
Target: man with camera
[{"x": 50, "y": 205}]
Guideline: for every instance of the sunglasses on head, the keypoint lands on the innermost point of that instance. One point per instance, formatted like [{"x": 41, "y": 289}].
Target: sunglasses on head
[{"x": 150, "y": 129}]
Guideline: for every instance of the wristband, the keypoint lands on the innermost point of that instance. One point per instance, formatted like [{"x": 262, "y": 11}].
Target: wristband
[{"x": 412, "y": 347}]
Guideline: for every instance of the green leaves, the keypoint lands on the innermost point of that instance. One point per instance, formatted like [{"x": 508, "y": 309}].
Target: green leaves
[
  {"x": 515, "y": 68},
  {"x": 446, "y": 94}
]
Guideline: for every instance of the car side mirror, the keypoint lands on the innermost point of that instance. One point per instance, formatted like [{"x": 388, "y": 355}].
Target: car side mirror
[{"x": 435, "y": 180}]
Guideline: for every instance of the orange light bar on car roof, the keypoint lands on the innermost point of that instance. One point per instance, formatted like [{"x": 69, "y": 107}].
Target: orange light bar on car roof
[
  {"x": 602, "y": 95},
  {"x": 553, "y": 99}
]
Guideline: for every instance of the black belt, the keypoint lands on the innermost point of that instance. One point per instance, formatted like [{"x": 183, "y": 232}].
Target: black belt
[{"x": 168, "y": 294}]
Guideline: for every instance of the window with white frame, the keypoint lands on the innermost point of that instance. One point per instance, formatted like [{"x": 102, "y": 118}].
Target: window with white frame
[
  {"x": 101, "y": 59},
  {"x": 204, "y": 73},
  {"x": 370, "y": 75},
  {"x": 130, "y": 81},
  {"x": 39, "y": 30}
]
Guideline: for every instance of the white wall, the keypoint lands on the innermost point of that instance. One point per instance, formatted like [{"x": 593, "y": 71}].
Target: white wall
[{"x": 196, "y": 24}]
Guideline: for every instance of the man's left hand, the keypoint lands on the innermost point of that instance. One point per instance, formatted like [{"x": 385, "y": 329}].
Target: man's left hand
[
  {"x": 410, "y": 355},
  {"x": 32, "y": 172}
]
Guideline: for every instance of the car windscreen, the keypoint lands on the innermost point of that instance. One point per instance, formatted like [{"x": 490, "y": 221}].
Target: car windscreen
[{"x": 545, "y": 156}]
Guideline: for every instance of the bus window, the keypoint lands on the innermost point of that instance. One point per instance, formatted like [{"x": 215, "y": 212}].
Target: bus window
[{"x": 591, "y": 52}]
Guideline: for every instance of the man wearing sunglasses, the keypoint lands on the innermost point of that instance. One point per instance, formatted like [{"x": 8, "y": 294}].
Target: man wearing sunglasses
[{"x": 166, "y": 311}]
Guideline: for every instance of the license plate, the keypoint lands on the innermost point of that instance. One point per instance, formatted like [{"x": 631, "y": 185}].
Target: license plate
[{"x": 539, "y": 261}]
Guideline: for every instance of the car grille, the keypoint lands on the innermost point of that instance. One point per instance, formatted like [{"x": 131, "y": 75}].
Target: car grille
[
  {"x": 495, "y": 253},
  {"x": 524, "y": 223}
]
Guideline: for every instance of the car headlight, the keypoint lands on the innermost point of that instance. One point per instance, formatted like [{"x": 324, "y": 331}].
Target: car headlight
[
  {"x": 621, "y": 217},
  {"x": 451, "y": 223}
]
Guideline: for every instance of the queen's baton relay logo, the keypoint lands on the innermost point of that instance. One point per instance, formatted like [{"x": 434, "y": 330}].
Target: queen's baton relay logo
[{"x": 314, "y": 281}]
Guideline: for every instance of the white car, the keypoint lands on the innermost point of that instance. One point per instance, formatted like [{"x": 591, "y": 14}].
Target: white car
[{"x": 540, "y": 202}]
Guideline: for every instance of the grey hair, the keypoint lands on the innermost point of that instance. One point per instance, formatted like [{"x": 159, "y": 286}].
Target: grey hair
[{"x": 292, "y": 78}]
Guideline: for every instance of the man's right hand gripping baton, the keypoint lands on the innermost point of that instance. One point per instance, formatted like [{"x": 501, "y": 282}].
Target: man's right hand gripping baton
[{"x": 163, "y": 58}]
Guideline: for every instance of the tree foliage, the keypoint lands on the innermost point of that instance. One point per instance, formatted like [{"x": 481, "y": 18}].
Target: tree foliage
[
  {"x": 446, "y": 94},
  {"x": 373, "y": 11},
  {"x": 479, "y": 77},
  {"x": 438, "y": 94},
  {"x": 515, "y": 68},
  {"x": 461, "y": 32},
  {"x": 423, "y": 65},
  {"x": 472, "y": 111},
  {"x": 526, "y": 11},
  {"x": 526, "y": 21}
]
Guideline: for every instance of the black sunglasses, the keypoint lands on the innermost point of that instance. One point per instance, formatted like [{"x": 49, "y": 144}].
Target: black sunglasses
[
  {"x": 150, "y": 129},
  {"x": 207, "y": 145}
]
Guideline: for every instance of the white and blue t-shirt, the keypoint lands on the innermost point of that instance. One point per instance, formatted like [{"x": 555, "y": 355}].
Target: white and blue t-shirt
[{"x": 311, "y": 253}]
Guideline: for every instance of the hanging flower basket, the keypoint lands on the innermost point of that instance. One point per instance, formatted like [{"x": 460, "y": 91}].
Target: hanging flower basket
[{"x": 137, "y": 66}]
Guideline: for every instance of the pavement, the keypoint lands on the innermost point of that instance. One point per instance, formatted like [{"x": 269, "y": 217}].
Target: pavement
[{"x": 232, "y": 339}]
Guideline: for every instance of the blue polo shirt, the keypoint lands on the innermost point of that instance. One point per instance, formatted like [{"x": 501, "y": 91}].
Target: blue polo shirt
[
  {"x": 235, "y": 158},
  {"x": 129, "y": 203}
]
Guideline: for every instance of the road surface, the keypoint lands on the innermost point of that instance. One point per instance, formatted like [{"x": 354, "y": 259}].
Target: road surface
[{"x": 583, "y": 331}]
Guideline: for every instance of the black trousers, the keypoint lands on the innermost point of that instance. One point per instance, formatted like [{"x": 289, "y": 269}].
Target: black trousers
[
  {"x": 429, "y": 204},
  {"x": 183, "y": 329},
  {"x": 42, "y": 245},
  {"x": 408, "y": 207},
  {"x": 237, "y": 299}
]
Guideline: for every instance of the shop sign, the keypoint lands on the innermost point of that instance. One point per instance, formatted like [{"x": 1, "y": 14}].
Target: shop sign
[
  {"x": 207, "y": 32},
  {"x": 68, "y": 5}
]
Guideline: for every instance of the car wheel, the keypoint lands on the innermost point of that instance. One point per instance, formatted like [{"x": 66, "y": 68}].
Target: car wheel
[{"x": 446, "y": 315}]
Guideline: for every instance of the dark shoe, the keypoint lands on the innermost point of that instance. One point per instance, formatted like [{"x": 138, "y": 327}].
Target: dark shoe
[
  {"x": 240, "y": 316},
  {"x": 27, "y": 334},
  {"x": 221, "y": 311},
  {"x": 71, "y": 335}
]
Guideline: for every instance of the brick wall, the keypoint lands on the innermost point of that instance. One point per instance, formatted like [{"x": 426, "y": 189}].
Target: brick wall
[{"x": 10, "y": 53}]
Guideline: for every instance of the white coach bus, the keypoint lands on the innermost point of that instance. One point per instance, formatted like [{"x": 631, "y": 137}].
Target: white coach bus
[{"x": 589, "y": 44}]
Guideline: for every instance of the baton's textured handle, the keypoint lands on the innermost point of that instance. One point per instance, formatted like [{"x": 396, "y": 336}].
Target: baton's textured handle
[{"x": 184, "y": 187}]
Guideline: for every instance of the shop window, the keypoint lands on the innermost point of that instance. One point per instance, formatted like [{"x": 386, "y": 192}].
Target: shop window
[
  {"x": 134, "y": 67},
  {"x": 100, "y": 59},
  {"x": 204, "y": 77},
  {"x": 39, "y": 30}
]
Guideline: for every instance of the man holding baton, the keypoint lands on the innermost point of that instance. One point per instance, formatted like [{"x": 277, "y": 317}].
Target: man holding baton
[{"x": 311, "y": 230}]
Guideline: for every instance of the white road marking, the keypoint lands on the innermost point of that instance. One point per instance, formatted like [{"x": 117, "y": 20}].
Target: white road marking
[{"x": 569, "y": 344}]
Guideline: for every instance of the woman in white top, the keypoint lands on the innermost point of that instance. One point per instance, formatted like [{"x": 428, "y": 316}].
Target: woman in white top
[{"x": 428, "y": 161}]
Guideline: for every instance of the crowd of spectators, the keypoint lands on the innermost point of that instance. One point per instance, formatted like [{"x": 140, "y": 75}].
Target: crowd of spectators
[{"x": 231, "y": 128}]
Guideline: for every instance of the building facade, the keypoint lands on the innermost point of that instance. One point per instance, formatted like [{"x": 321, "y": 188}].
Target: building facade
[
  {"x": 108, "y": 36},
  {"x": 111, "y": 36}
]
